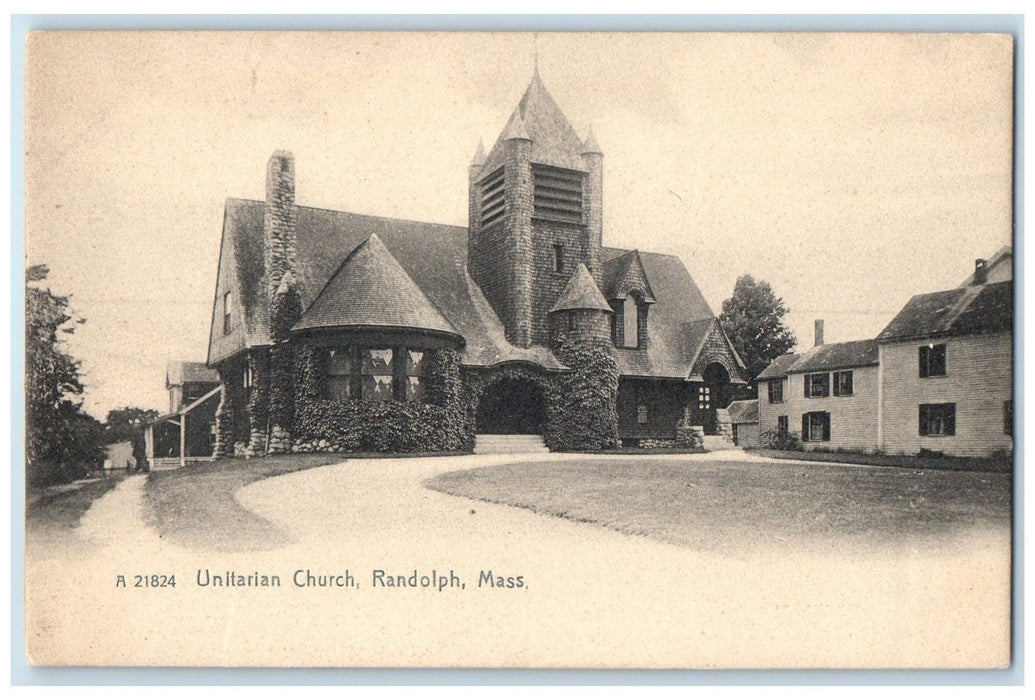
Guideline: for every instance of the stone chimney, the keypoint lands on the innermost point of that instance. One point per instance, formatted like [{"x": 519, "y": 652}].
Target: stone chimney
[
  {"x": 280, "y": 219},
  {"x": 819, "y": 332},
  {"x": 980, "y": 271}
]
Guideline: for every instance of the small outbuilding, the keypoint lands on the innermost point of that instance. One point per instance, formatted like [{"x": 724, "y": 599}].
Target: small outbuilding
[{"x": 744, "y": 416}]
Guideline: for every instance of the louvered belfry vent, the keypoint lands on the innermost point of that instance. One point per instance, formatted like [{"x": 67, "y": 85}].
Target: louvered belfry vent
[
  {"x": 557, "y": 193},
  {"x": 494, "y": 204}
]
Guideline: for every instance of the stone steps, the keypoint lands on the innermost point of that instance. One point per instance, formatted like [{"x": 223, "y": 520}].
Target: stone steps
[{"x": 509, "y": 444}]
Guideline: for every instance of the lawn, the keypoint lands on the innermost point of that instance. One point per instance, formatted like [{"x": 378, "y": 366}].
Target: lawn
[{"x": 741, "y": 507}]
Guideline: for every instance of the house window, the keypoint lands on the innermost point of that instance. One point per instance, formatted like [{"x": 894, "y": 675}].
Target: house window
[
  {"x": 228, "y": 305},
  {"x": 246, "y": 381},
  {"x": 938, "y": 419},
  {"x": 843, "y": 383},
  {"x": 415, "y": 375},
  {"x": 775, "y": 391},
  {"x": 641, "y": 414},
  {"x": 704, "y": 398},
  {"x": 815, "y": 427},
  {"x": 1008, "y": 417},
  {"x": 339, "y": 374},
  {"x": 557, "y": 194},
  {"x": 558, "y": 258},
  {"x": 494, "y": 204},
  {"x": 817, "y": 385},
  {"x": 631, "y": 321},
  {"x": 932, "y": 360},
  {"x": 377, "y": 374},
  {"x": 782, "y": 427}
]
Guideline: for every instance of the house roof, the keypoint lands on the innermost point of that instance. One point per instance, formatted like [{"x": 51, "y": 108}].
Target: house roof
[
  {"x": 180, "y": 372},
  {"x": 581, "y": 292},
  {"x": 779, "y": 366},
  {"x": 371, "y": 288},
  {"x": 854, "y": 353},
  {"x": 973, "y": 310},
  {"x": 743, "y": 411},
  {"x": 624, "y": 274},
  {"x": 996, "y": 267},
  {"x": 537, "y": 117}
]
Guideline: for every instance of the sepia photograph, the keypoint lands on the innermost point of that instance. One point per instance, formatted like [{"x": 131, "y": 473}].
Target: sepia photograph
[{"x": 547, "y": 350}]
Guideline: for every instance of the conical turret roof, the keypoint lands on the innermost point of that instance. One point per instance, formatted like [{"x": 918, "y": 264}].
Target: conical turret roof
[
  {"x": 554, "y": 141},
  {"x": 371, "y": 289},
  {"x": 581, "y": 292}
]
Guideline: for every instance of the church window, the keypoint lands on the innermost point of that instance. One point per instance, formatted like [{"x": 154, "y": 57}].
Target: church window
[
  {"x": 377, "y": 374},
  {"x": 558, "y": 257},
  {"x": 631, "y": 320},
  {"x": 557, "y": 194},
  {"x": 494, "y": 204},
  {"x": 228, "y": 305},
  {"x": 414, "y": 375},
  {"x": 339, "y": 374}
]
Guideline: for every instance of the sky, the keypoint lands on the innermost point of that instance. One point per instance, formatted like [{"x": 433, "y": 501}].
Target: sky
[{"x": 850, "y": 171}]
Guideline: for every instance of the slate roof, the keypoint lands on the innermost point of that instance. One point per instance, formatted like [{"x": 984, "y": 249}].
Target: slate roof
[
  {"x": 624, "y": 273},
  {"x": 677, "y": 324},
  {"x": 971, "y": 310},
  {"x": 743, "y": 411},
  {"x": 434, "y": 257},
  {"x": 581, "y": 292},
  {"x": 371, "y": 289},
  {"x": 179, "y": 372},
  {"x": 537, "y": 117}
]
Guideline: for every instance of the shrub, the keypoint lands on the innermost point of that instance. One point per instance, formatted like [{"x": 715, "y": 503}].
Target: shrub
[{"x": 775, "y": 440}]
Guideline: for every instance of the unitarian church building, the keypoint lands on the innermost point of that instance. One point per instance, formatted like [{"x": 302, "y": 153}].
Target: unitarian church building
[{"x": 335, "y": 331}]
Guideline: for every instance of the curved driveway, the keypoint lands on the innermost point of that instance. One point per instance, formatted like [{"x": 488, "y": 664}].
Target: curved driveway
[{"x": 593, "y": 597}]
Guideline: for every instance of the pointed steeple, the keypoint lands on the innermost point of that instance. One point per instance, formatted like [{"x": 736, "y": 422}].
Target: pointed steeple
[
  {"x": 515, "y": 128},
  {"x": 554, "y": 140},
  {"x": 591, "y": 146},
  {"x": 479, "y": 155}
]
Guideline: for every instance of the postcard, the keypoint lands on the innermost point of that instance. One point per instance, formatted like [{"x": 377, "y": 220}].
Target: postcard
[{"x": 519, "y": 350}]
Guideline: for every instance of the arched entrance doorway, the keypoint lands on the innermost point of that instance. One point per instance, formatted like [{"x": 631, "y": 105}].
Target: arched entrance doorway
[
  {"x": 511, "y": 406},
  {"x": 718, "y": 390}
]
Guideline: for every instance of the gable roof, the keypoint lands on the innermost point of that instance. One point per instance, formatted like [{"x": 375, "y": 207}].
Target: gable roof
[
  {"x": 434, "y": 256},
  {"x": 371, "y": 289},
  {"x": 180, "y": 372},
  {"x": 779, "y": 366},
  {"x": 854, "y": 353},
  {"x": 581, "y": 292},
  {"x": 676, "y": 325},
  {"x": 999, "y": 267},
  {"x": 624, "y": 274},
  {"x": 537, "y": 117},
  {"x": 743, "y": 411},
  {"x": 971, "y": 310}
]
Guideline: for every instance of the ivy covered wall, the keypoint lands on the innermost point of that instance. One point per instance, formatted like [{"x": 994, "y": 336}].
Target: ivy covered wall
[
  {"x": 357, "y": 425},
  {"x": 582, "y": 413}
]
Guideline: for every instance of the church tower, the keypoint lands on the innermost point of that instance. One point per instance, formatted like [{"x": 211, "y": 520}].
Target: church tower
[{"x": 535, "y": 215}]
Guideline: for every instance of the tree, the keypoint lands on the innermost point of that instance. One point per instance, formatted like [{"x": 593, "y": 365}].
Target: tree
[
  {"x": 128, "y": 424},
  {"x": 753, "y": 321},
  {"x": 62, "y": 443}
]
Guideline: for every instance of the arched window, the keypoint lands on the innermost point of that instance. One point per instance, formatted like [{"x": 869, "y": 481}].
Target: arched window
[{"x": 631, "y": 317}]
